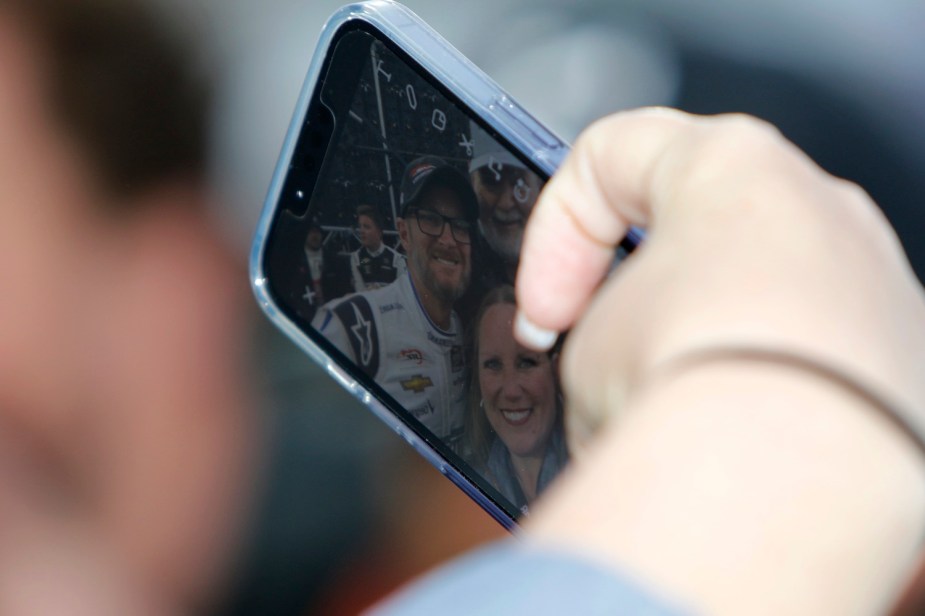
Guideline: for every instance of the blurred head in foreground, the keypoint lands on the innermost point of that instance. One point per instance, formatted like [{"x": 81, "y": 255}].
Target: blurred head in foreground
[{"x": 121, "y": 404}]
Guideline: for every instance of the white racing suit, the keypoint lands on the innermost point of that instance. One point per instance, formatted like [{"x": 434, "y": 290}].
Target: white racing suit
[{"x": 387, "y": 334}]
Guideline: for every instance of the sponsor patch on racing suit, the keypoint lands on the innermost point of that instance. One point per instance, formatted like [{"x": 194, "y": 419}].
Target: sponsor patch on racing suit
[{"x": 389, "y": 336}]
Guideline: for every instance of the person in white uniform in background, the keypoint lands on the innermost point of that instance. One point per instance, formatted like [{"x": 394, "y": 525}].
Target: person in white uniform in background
[{"x": 373, "y": 264}]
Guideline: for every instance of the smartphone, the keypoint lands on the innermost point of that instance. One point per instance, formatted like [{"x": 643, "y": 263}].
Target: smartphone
[{"x": 388, "y": 245}]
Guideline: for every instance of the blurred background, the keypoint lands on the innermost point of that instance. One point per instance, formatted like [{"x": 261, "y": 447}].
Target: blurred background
[
  {"x": 345, "y": 511},
  {"x": 844, "y": 80}
]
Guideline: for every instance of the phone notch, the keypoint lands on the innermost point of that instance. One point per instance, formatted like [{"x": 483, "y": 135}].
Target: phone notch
[{"x": 307, "y": 159}]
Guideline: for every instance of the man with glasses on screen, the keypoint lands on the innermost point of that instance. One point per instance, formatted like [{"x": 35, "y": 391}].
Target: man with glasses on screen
[{"x": 406, "y": 335}]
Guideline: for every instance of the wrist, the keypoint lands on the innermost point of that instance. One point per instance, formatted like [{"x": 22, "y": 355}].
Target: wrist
[{"x": 750, "y": 488}]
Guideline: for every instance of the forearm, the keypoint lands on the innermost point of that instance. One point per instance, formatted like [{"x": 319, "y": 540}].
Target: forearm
[{"x": 749, "y": 489}]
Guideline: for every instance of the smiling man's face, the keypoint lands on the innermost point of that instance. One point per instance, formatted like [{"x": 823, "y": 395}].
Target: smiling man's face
[{"x": 440, "y": 265}]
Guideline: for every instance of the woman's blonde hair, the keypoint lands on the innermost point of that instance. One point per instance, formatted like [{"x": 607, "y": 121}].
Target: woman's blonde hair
[{"x": 478, "y": 432}]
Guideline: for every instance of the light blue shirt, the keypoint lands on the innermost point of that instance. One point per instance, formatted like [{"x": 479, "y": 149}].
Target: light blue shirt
[{"x": 514, "y": 577}]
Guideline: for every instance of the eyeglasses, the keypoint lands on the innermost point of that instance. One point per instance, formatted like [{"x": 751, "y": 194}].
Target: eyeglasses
[{"x": 432, "y": 223}]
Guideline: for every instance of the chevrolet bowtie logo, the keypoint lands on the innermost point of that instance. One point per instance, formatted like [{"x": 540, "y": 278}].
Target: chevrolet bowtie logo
[{"x": 418, "y": 383}]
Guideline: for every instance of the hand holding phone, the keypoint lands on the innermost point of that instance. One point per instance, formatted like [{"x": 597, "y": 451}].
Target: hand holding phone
[{"x": 719, "y": 480}]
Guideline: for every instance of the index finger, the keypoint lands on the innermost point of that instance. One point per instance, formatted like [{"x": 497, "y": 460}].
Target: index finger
[{"x": 584, "y": 211}]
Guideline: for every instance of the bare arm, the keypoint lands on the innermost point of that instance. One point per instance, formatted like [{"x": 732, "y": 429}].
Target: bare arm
[{"x": 738, "y": 488}]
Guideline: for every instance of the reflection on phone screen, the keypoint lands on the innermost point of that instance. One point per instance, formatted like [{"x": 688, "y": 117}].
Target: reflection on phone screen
[{"x": 403, "y": 265}]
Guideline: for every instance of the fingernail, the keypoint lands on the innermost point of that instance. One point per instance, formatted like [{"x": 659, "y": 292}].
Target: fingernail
[{"x": 533, "y": 336}]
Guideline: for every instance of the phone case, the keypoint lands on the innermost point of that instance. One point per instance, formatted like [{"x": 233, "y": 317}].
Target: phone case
[{"x": 477, "y": 91}]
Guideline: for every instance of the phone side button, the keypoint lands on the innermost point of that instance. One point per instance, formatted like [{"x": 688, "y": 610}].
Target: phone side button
[
  {"x": 514, "y": 112},
  {"x": 342, "y": 377}
]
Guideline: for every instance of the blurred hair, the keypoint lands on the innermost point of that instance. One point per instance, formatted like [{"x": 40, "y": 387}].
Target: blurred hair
[
  {"x": 121, "y": 84},
  {"x": 371, "y": 213}
]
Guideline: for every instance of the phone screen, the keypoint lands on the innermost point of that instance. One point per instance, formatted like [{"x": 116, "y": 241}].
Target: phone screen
[{"x": 395, "y": 247}]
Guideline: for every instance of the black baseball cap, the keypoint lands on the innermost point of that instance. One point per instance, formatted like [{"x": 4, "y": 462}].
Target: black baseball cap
[{"x": 426, "y": 171}]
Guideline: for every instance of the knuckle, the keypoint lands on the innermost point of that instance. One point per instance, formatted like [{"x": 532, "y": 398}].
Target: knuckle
[
  {"x": 737, "y": 155},
  {"x": 850, "y": 193},
  {"x": 743, "y": 138},
  {"x": 860, "y": 213}
]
